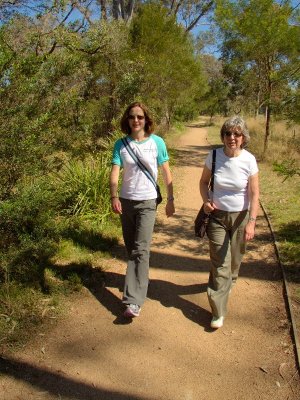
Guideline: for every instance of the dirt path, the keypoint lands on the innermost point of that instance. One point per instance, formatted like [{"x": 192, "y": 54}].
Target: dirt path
[{"x": 169, "y": 352}]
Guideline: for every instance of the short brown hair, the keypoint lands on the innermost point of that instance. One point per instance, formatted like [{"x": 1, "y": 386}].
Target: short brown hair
[
  {"x": 236, "y": 123},
  {"x": 149, "y": 123}
]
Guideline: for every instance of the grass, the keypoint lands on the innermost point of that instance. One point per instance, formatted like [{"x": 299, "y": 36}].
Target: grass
[
  {"x": 279, "y": 194},
  {"x": 84, "y": 187},
  {"x": 284, "y": 141},
  {"x": 281, "y": 198},
  {"x": 23, "y": 311},
  {"x": 84, "y": 243}
]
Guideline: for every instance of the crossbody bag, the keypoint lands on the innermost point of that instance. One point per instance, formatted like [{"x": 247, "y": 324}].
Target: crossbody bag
[{"x": 143, "y": 168}]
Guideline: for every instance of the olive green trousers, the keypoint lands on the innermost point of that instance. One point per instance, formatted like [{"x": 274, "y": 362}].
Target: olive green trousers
[{"x": 227, "y": 247}]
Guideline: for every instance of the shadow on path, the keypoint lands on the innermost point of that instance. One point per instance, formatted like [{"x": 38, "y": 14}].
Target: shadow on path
[
  {"x": 167, "y": 293},
  {"x": 203, "y": 124},
  {"x": 58, "y": 385},
  {"x": 192, "y": 156}
]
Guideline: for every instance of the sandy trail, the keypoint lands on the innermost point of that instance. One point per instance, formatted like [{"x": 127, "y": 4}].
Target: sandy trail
[{"x": 169, "y": 352}]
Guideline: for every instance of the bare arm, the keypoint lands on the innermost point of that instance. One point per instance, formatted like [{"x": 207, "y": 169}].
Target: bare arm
[
  {"x": 113, "y": 184},
  {"x": 254, "y": 204},
  {"x": 167, "y": 177},
  {"x": 203, "y": 186}
]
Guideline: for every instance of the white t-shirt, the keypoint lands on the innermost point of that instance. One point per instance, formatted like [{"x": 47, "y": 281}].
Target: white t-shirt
[
  {"x": 152, "y": 152},
  {"x": 231, "y": 185}
]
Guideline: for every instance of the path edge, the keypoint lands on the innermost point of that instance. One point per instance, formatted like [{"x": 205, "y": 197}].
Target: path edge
[{"x": 286, "y": 291}]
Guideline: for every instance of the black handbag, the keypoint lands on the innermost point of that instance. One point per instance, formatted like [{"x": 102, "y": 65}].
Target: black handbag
[
  {"x": 159, "y": 198},
  {"x": 202, "y": 219},
  {"x": 144, "y": 169}
]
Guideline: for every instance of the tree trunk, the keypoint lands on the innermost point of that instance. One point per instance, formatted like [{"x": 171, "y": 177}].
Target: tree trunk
[
  {"x": 267, "y": 131},
  {"x": 167, "y": 119},
  {"x": 103, "y": 9},
  {"x": 123, "y": 10},
  {"x": 129, "y": 10},
  {"x": 258, "y": 104},
  {"x": 116, "y": 9},
  {"x": 268, "y": 107}
]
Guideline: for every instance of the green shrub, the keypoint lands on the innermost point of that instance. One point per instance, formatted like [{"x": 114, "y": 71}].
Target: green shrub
[
  {"x": 83, "y": 188},
  {"x": 28, "y": 232}
]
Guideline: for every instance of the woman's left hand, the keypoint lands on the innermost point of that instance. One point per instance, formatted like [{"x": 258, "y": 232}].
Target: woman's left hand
[
  {"x": 170, "y": 208},
  {"x": 249, "y": 231}
]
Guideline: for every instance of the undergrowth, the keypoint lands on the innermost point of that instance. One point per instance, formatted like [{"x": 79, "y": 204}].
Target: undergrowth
[{"x": 54, "y": 232}]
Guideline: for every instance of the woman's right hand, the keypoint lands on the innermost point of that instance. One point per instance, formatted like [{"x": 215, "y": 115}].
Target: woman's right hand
[
  {"x": 116, "y": 205},
  {"x": 208, "y": 207}
]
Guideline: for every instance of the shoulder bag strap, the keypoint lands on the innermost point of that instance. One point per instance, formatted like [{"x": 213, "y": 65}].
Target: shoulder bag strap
[
  {"x": 139, "y": 162},
  {"x": 212, "y": 179}
]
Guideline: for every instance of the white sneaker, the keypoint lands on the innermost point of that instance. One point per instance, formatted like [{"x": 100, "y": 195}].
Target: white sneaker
[{"x": 217, "y": 322}]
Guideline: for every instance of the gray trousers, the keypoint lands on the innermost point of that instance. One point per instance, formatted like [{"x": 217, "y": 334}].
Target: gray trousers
[
  {"x": 138, "y": 218},
  {"x": 227, "y": 248}
]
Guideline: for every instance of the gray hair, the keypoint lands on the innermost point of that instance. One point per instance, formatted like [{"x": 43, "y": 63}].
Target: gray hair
[{"x": 236, "y": 122}]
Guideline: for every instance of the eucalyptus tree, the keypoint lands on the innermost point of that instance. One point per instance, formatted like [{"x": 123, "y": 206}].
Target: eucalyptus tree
[
  {"x": 292, "y": 105},
  {"x": 40, "y": 94},
  {"x": 83, "y": 13},
  {"x": 170, "y": 75},
  {"x": 59, "y": 92},
  {"x": 65, "y": 80},
  {"x": 189, "y": 12},
  {"x": 215, "y": 100},
  {"x": 258, "y": 36}
]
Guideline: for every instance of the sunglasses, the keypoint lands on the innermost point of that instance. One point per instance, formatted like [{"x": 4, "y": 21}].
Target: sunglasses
[
  {"x": 139, "y": 117},
  {"x": 235, "y": 134}
]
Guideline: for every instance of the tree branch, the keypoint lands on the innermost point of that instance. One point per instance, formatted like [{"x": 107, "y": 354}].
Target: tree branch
[
  {"x": 204, "y": 11},
  {"x": 52, "y": 48}
]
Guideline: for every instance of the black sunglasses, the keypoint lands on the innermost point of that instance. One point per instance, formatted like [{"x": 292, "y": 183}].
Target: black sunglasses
[
  {"x": 235, "y": 134},
  {"x": 139, "y": 117}
]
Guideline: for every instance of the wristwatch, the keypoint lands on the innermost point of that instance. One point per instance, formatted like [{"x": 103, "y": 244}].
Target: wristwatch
[{"x": 170, "y": 198}]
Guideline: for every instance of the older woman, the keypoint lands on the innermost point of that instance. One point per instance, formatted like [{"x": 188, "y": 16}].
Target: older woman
[
  {"x": 137, "y": 201},
  {"x": 233, "y": 206}
]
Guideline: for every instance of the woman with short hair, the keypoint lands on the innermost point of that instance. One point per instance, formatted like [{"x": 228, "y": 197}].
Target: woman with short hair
[{"x": 233, "y": 207}]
